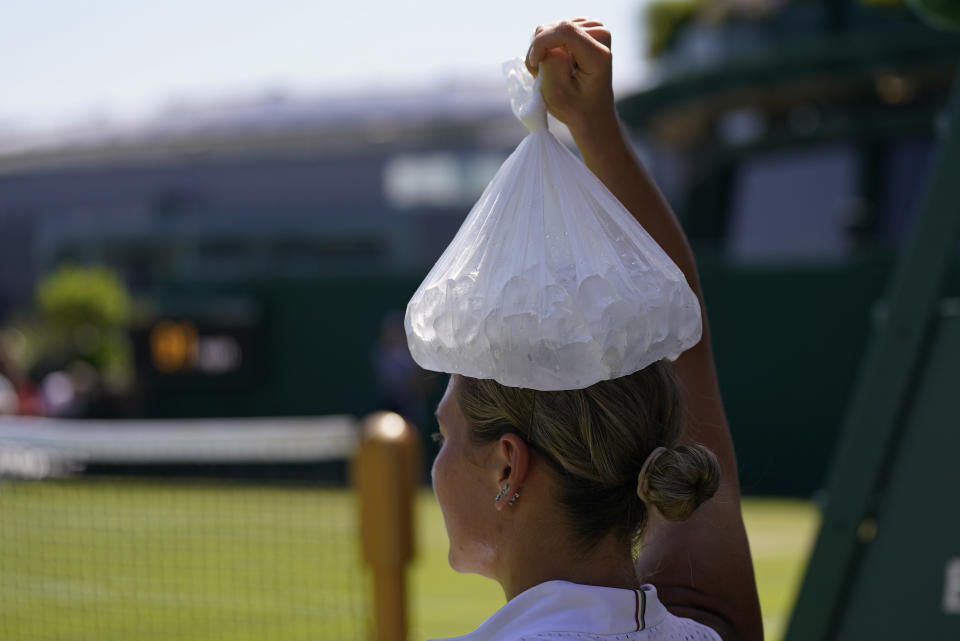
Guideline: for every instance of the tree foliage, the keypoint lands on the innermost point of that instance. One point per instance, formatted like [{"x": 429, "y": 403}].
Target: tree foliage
[
  {"x": 82, "y": 313},
  {"x": 944, "y": 14},
  {"x": 664, "y": 18},
  {"x": 72, "y": 296}
]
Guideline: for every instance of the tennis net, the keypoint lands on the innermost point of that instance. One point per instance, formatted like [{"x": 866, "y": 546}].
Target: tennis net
[{"x": 181, "y": 530}]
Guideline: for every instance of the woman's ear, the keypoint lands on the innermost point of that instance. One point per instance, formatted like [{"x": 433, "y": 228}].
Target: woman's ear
[{"x": 513, "y": 463}]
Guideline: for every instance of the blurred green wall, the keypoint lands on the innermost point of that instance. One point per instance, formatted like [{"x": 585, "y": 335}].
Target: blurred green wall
[{"x": 788, "y": 341}]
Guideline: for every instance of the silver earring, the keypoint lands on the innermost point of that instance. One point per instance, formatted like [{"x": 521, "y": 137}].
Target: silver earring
[
  {"x": 503, "y": 492},
  {"x": 514, "y": 499}
]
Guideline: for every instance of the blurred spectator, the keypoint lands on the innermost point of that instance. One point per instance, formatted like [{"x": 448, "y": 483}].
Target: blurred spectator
[
  {"x": 402, "y": 386},
  {"x": 17, "y": 392},
  {"x": 73, "y": 392},
  {"x": 29, "y": 400},
  {"x": 59, "y": 396},
  {"x": 8, "y": 393},
  {"x": 8, "y": 397}
]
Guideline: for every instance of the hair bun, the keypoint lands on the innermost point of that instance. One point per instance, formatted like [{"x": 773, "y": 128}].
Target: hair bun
[{"x": 677, "y": 481}]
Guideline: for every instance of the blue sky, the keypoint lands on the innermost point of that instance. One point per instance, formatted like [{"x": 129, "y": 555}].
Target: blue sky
[{"x": 66, "y": 61}]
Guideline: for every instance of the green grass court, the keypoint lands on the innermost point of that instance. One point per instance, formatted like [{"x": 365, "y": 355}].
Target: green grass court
[{"x": 103, "y": 560}]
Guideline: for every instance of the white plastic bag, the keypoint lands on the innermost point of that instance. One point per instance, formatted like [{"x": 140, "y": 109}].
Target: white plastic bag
[{"x": 550, "y": 283}]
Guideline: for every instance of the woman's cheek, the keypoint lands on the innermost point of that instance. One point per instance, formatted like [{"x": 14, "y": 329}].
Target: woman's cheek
[
  {"x": 433, "y": 474},
  {"x": 437, "y": 476}
]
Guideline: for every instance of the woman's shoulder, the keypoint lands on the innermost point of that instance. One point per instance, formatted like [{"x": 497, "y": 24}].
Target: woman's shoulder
[
  {"x": 671, "y": 628},
  {"x": 564, "y": 611}
]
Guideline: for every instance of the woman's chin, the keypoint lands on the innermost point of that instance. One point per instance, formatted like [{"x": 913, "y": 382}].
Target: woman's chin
[
  {"x": 458, "y": 563},
  {"x": 472, "y": 561}
]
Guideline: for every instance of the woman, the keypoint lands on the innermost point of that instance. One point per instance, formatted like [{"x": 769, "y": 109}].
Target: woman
[{"x": 553, "y": 494}]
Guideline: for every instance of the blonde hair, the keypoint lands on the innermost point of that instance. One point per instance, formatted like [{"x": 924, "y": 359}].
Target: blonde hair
[{"x": 596, "y": 439}]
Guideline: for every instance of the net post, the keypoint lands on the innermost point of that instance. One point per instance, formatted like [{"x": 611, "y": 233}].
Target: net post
[{"x": 386, "y": 473}]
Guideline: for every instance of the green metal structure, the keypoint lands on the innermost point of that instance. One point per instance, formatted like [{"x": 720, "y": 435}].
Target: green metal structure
[
  {"x": 886, "y": 564},
  {"x": 786, "y": 400}
]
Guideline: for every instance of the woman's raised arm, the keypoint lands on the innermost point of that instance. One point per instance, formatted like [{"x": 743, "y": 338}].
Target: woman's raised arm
[{"x": 702, "y": 568}]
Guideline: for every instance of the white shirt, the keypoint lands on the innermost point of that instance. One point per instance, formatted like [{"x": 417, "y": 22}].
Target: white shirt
[{"x": 564, "y": 611}]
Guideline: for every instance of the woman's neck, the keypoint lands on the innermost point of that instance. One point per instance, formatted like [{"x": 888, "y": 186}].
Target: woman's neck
[{"x": 546, "y": 555}]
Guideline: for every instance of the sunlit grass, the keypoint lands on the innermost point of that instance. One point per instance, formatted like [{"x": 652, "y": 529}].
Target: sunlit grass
[
  {"x": 124, "y": 559},
  {"x": 132, "y": 559},
  {"x": 781, "y": 533}
]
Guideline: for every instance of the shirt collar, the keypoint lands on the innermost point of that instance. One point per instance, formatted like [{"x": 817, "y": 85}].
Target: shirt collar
[{"x": 557, "y": 606}]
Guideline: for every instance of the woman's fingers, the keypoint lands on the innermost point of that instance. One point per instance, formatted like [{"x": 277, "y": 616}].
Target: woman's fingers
[
  {"x": 594, "y": 27},
  {"x": 600, "y": 34},
  {"x": 595, "y": 30},
  {"x": 584, "y": 40},
  {"x": 587, "y": 22},
  {"x": 558, "y": 67}
]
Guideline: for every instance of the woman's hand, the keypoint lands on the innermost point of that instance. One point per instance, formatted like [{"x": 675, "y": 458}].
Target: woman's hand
[{"x": 574, "y": 57}]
